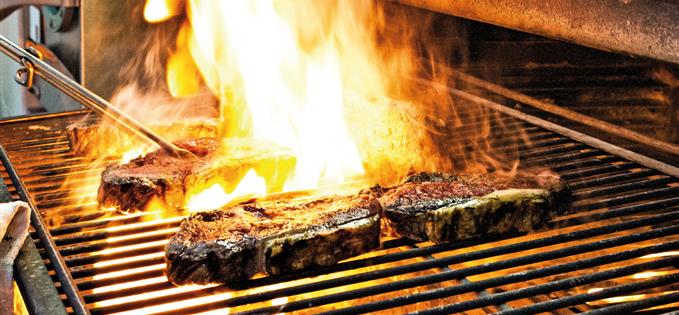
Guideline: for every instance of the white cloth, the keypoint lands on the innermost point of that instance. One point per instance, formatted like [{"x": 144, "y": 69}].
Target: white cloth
[{"x": 14, "y": 222}]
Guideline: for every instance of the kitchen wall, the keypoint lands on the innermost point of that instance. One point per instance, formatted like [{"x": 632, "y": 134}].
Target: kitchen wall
[{"x": 10, "y": 91}]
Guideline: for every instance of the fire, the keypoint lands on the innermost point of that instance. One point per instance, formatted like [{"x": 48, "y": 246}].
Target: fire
[
  {"x": 663, "y": 254},
  {"x": 182, "y": 75},
  {"x": 650, "y": 274},
  {"x": 215, "y": 196},
  {"x": 160, "y": 10},
  {"x": 131, "y": 155},
  {"x": 281, "y": 71},
  {"x": 274, "y": 86}
]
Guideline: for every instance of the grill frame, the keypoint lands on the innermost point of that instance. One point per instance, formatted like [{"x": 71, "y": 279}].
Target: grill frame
[{"x": 587, "y": 156}]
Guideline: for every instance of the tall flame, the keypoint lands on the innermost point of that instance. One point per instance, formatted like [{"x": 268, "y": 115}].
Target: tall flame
[
  {"x": 316, "y": 77},
  {"x": 311, "y": 76},
  {"x": 280, "y": 80}
]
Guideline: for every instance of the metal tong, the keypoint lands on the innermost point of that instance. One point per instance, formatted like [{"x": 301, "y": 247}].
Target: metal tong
[{"x": 32, "y": 65}]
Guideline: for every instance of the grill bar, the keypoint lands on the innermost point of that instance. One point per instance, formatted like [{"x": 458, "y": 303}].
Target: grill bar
[
  {"x": 629, "y": 307},
  {"x": 553, "y": 286},
  {"x": 481, "y": 285},
  {"x": 598, "y": 295},
  {"x": 570, "y": 114},
  {"x": 617, "y": 201},
  {"x": 38, "y": 223},
  {"x": 484, "y": 293},
  {"x": 578, "y": 136}
]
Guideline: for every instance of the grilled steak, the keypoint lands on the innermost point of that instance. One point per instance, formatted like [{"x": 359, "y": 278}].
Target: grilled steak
[
  {"x": 103, "y": 139},
  {"x": 159, "y": 176},
  {"x": 232, "y": 244},
  {"x": 442, "y": 208}
]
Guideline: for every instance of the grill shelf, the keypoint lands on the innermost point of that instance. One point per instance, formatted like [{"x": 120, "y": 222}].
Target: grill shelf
[{"x": 623, "y": 225}]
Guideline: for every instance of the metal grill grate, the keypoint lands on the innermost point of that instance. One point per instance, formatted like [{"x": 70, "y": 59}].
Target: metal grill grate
[{"x": 616, "y": 251}]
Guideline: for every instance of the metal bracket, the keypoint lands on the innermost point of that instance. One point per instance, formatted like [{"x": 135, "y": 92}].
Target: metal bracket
[{"x": 24, "y": 76}]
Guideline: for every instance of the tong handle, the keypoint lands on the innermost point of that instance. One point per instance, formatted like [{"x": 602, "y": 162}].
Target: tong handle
[{"x": 34, "y": 66}]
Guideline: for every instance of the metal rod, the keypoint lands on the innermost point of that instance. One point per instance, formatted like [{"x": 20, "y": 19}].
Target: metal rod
[
  {"x": 31, "y": 275},
  {"x": 644, "y": 28},
  {"x": 87, "y": 98},
  {"x": 629, "y": 307},
  {"x": 612, "y": 179},
  {"x": 598, "y": 295},
  {"x": 570, "y": 114},
  {"x": 481, "y": 294},
  {"x": 575, "y": 135},
  {"x": 609, "y": 190},
  {"x": 67, "y": 283},
  {"x": 484, "y": 268},
  {"x": 551, "y": 286},
  {"x": 615, "y": 201},
  {"x": 456, "y": 274}
]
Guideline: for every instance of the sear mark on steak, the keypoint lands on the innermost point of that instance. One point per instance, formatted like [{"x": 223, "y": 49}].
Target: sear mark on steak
[
  {"x": 232, "y": 244},
  {"x": 443, "y": 207},
  {"x": 160, "y": 176}
]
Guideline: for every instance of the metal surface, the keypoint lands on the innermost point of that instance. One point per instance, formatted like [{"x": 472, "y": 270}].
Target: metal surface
[
  {"x": 592, "y": 141},
  {"x": 643, "y": 28},
  {"x": 570, "y": 114},
  {"x": 623, "y": 212},
  {"x": 82, "y": 95},
  {"x": 8, "y": 6},
  {"x": 42, "y": 230},
  {"x": 32, "y": 277},
  {"x": 104, "y": 68},
  {"x": 50, "y": 97},
  {"x": 35, "y": 283}
]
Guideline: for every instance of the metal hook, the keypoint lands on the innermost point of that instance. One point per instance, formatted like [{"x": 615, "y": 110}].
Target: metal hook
[{"x": 24, "y": 75}]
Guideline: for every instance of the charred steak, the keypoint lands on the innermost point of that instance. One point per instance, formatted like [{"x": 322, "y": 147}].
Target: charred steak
[
  {"x": 103, "y": 139},
  {"x": 168, "y": 179},
  {"x": 232, "y": 244},
  {"x": 442, "y": 208}
]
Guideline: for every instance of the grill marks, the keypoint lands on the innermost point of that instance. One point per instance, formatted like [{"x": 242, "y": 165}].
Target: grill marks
[{"x": 608, "y": 181}]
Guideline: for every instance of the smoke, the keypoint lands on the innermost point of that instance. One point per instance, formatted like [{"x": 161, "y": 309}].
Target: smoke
[{"x": 422, "y": 128}]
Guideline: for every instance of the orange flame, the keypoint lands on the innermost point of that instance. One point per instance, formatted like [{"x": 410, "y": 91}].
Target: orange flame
[
  {"x": 161, "y": 10},
  {"x": 282, "y": 80},
  {"x": 274, "y": 87},
  {"x": 215, "y": 196},
  {"x": 314, "y": 77}
]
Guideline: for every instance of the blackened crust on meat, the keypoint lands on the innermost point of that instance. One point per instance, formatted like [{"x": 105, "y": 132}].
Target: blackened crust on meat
[
  {"x": 167, "y": 179},
  {"x": 322, "y": 248},
  {"x": 443, "y": 207},
  {"x": 158, "y": 175},
  {"x": 206, "y": 262},
  {"x": 230, "y": 245}
]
